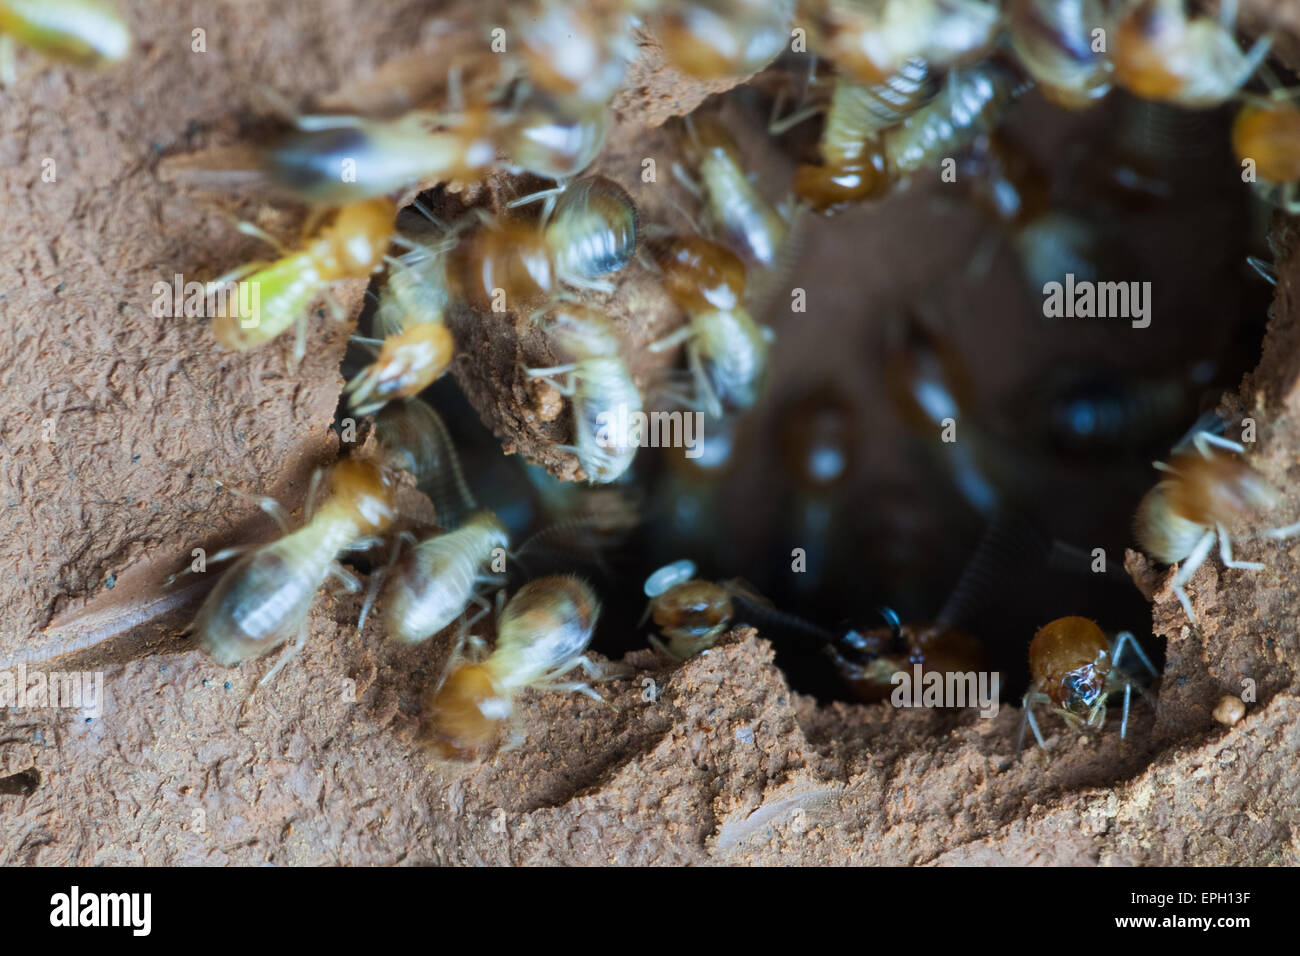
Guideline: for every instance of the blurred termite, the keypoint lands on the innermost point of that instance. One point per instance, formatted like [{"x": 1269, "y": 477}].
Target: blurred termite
[
  {"x": 726, "y": 349},
  {"x": 262, "y": 600},
  {"x": 279, "y": 293},
  {"x": 427, "y": 587},
  {"x": 1098, "y": 412},
  {"x": 868, "y": 660},
  {"x": 871, "y": 40},
  {"x": 542, "y": 634},
  {"x": 738, "y": 212},
  {"x": 1163, "y": 53},
  {"x": 691, "y": 614},
  {"x": 1180, "y": 518},
  {"x": 511, "y": 264},
  {"x": 572, "y": 51},
  {"x": 855, "y": 165},
  {"x": 82, "y": 32},
  {"x": 553, "y": 137},
  {"x": 330, "y": 160},
  {"x": 1267, "y": 133},
  {"x": 930, "y": 388},
  {"x": 708, "y": 39},
  {"x": 1074, "y": 670},
  {"x": 415, "y": 347},
  {"x": 606, "y": 402},
  {"x": 1061, "y": 43}
]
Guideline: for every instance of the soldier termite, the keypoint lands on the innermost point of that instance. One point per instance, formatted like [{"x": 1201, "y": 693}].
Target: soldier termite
[
  {"x": 416, "y": 345},
  {"x": 83, "y": 32},
  {"x": 605, "y": 399},
  {"x": 1180, "y": 518},
  {"x": 542, "y": 634},
  {"x": 726, "y": 349},
  {"x": 428, "y": 586},
  {"x": 870, "y": 40},
  {"x": 1074, "y": 669},
  {"x": 856, "y": 166},
  {"x": 867, "y": 661},
  {"x": 707, "y": 39},
  {"x": 352, "y": 246},
  {"x": 263, "y": 600},
  {"x": 1163, "y": 53},
  {"x": 690, "y": 613},
  {"x": 1056, "y": 42}
]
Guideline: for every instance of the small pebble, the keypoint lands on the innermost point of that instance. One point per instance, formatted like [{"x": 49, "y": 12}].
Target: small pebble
[{"x": 1229, "y": 711}]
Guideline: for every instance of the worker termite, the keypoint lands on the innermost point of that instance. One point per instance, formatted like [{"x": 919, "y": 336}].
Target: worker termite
[
  {"x": 605, "y": 399},
  {"x": 1162, "y": 53},
  {"x": 727, "y": 350},
  {"x": 1179, "y": 519},
  {"x": 1267, "y": 133},
  {"x": 513, "y": 264},
  {"x": 856, "y": 166},
  {"x": 1055, "y": 41},
  {"x": 330, "y": 160},
  {"x": 742, "y": 217},
  {"x": 542, "y": 634},
  {"x": 1074, "y": 669},
  {"x": 352, "y": 246},
  {"x": 416, "y": 345},
  {"x": 707, "y": 39},
  {"x": 690, "y": 613},
  {"x": 552, "y": 136},
  {"x": 870, "y": 41},
  {"x": 82, "y": 32},
  {"x": 262, "y": 600},
  {"x": 425, "y": 588}
]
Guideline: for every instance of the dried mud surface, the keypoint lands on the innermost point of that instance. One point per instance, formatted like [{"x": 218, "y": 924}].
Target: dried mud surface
[{"x": 113, "y": 424}]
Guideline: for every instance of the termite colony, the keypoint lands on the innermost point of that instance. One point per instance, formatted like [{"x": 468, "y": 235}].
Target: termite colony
[{"x": 820, "y": 488}]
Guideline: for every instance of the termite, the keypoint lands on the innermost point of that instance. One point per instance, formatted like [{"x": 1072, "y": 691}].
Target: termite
[
  {"x": 542, "y": 634},
  {"x": 1180, "y": 518},
  {"x": 727, "y": 350},
  {"x": 82, "y": 32},
  {"x": 856, "y": 166},
  {"x": 691, "y": 613},
  {"x": 416, "y": 347},
  {"x": 352, "y": 246},
  {"x": 263, "y": 600},
  {"x": 1074, "y": 669},
  {"x": 430, "y": 584},
  {"x": 708, "y": 39},
  {"x": 606, "y": 402},
  {"x": 1267, "y": 133},
  {"x": 1061, "y": 43},
  {"x": 1163, "y": 53}
]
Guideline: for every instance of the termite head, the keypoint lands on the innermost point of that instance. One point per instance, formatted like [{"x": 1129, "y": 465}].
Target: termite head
[
  {"x": 700, "y": 274},
  {"x": 355, "y": 243},
  {"x": 365, "y": 492},
  {"x": 1069, "y": 661},
  {"x": 833, "y": 187},
  {"x": 407, "y": 364},
  {"x": 704, "y": 135},
  {"x": 466, "y": 712},
  {"x": 1269, "y": 135},
  {"x": 1199, "y": 493},
  {"x": 689, "y": 612}
]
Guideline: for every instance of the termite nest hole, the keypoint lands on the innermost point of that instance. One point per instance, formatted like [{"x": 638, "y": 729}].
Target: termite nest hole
[{"x": 835, "y": 499}]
